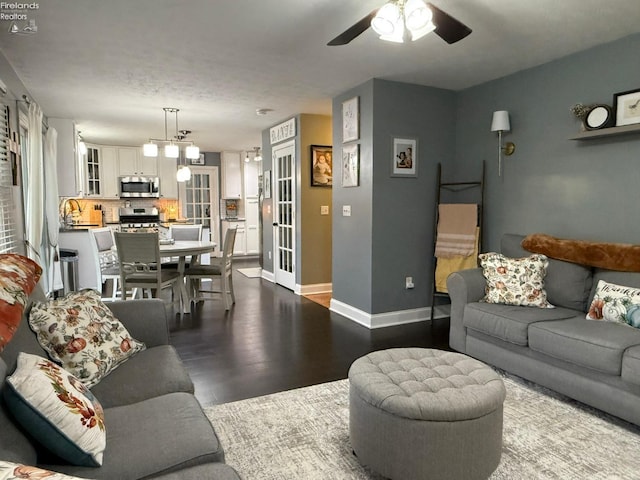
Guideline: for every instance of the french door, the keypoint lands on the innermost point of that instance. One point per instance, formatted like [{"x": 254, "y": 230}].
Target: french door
[
  {"x": 199, "y": 198},
  {"x": 284, "y": 215}
]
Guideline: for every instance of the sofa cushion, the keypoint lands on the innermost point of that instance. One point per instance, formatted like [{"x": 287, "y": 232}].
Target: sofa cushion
[
  {"x": 14, "y": 444},
  {"x": 153, "y": 372},
  {"x": 13, "y": 471},
  {"x": 615, "y": 303},
  {"x": 217, "y": 471},
  {"x": 153, "y": 437},
  {"x": 509, "y": 322},
  {"x": 19, "y": 277},
  {"x": 57, "y": 410},
  {"x": 631, "y": 365},
  {"x": 567, "y": 284},
  {"x": 81, "y": 333},
  {"x": 515, "y": 281},
  {"x": 596, "y": 345}
]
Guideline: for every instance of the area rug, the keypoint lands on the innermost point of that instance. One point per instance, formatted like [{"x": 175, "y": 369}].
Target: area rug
[
  {"x": 253, "y": 272},
  {"x": 304, "y": 434}
]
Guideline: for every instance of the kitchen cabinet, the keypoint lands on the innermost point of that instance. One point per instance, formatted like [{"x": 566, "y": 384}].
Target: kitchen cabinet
[
  {"x": 251, "y": 172},
  {"x": 240, "y": 245},
  {"x": 109, "y": 172},
  {"x": 251, "y": 227},
  {"x": 132, "y": 162},
  {"x": 70, "y": 167},
  {"x": 231, "y": 175},
  {"x": 167, "y": 168},
  {"x": 93, "y": 166}
]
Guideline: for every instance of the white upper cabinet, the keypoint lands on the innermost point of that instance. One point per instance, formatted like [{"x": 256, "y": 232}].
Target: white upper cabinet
[
  {"x": 109, "y": 172},
  {"x": 231, "y": 175},
  {"x": 132, "y": 162},
  {"x": 70, "y": 167},
  {"x": 251, "y": 172},
  {"x": 167, "y": 168}
]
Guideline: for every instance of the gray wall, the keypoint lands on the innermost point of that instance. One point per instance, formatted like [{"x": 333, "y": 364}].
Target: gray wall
[
  {"x": 585, "y": 190},
  {"x": 390, "y": 233}
]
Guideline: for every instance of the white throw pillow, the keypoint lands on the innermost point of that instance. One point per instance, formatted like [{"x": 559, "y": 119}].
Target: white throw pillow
[
  {"x": 615, "y": 303},
  {"x": 81, "y": 333},
  {"x": 57, "y": 409},
  {"x": 13, "y": 471},
  {"x": 515, "y": 281}
]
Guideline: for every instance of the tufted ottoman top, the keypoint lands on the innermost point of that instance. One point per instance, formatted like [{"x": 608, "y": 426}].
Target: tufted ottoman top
[{"x": 427, "y": 384}]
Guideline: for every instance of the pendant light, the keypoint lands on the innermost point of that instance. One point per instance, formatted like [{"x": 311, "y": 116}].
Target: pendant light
[{"x": 172, "y": 145}]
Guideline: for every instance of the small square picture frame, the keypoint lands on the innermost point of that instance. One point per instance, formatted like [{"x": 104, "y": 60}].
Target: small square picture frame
[
  {"x": 626, "y": 106},
  {"x": 198, "y": 161},
  {"x": 351, "y": 165},
  {"x": 404, "y": 158}
]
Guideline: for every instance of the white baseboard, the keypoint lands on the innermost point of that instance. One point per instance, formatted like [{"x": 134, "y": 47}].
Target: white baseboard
[
  {"x": 380, "y": 320},
  {"x": 268, "y": 276}
]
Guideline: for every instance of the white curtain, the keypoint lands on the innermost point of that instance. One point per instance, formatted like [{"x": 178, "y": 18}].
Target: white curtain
[
  {"x": 33, "y": 185},
  {"x": 51, "y": 209}
]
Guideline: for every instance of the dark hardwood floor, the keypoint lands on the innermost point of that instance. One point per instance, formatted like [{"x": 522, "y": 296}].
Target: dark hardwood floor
[{"x": 273, "y": 340}]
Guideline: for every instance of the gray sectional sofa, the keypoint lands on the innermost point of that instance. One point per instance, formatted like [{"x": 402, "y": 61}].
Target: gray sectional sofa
[
  {"x": 155, "y": 426},
  {"x": 597, "y": 363}
]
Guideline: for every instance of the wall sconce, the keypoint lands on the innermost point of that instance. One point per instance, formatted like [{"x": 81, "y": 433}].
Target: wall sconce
[{"x": 500, "y": 123}]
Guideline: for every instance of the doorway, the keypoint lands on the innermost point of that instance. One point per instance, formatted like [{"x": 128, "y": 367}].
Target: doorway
[
  {"x": 284, "y": 215},
  {"x": 199, "y": 198}
]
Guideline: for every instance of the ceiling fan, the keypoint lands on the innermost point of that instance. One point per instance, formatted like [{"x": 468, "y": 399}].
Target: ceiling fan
[{"x": 398, "y": 19}]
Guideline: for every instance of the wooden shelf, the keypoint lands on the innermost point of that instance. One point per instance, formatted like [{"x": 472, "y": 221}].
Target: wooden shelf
[{"x": 606, "y": 132}]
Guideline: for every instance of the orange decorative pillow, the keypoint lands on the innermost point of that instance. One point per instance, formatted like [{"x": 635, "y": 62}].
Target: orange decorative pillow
[{"x": 18, "y": 277}]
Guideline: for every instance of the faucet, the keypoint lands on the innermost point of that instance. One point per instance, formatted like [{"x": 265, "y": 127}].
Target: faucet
[{"x": 68, "y": 208}]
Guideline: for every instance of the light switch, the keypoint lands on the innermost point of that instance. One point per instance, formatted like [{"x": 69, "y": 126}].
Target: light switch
[
  {"x": 324, "y": 209},
  {"x": 346, "y": 210}
]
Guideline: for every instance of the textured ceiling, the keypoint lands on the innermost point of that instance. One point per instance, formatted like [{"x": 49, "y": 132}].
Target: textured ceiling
[{"x": 111, "y": 65}]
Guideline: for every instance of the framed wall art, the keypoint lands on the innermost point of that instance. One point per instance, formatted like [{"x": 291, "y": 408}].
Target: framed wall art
[
  {"x": 404, "y": 160},
  {"x": 626, "y": 106},
  {"x": 321, "y": 166},
  {"x": 198, "y": 161},
  {"x": 266, "y": 180},
  {"x": 350, "y": 120},
  {"x": 351, "y": 165}
]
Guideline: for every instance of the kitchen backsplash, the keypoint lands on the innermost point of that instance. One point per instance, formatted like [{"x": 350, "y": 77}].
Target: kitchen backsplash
[{"x": 170, "y": 208}]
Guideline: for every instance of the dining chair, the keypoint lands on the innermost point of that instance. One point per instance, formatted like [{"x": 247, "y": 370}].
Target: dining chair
[
  {"x": 140, "y": 265},
  {"x": 220, "y": 268},
  {"x": 182, "y": 232},
  {"x": 107, "y": 257}
]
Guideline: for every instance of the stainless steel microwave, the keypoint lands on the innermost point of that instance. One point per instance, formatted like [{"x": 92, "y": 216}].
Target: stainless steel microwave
[{"x": 147, "y": 187}]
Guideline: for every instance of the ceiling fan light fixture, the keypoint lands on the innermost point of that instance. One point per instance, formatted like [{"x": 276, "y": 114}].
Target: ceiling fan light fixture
[
  {"x": 416, "y": 14},
  {"x": 419, "y": 33},
  {"x": 388, "y": 20}
]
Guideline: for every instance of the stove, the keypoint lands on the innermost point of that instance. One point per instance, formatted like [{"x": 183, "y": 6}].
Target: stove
[{"x": 138, "y": 219}]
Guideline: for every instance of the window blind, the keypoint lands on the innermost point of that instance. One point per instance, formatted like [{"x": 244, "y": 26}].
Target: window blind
[{"x": 8, "y": 219}]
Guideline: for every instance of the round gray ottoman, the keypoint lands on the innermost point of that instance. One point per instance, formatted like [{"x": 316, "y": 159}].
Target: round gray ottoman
[{"x": 422, "y": 413}]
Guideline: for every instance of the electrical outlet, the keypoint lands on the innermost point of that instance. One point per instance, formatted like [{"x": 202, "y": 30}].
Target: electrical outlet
[
  {"x": 408, "y": 283},
  {"x": 346, "y": 210}
]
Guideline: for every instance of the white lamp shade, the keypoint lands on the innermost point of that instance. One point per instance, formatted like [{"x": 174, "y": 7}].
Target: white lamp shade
[
  {"x": 500, "y": 121},
  {"x": 171, "y": 151},
  {"x": 417, "y": 15},
  {"x": 387, "y": 20},
  {"x": 183, "y": 174},
  {"x": 150, "y": 150},
  {"x": 258, "y": 157},
  {"x": 192, "y": 152}
]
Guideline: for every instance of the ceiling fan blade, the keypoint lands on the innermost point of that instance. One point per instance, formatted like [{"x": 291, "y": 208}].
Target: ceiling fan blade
[
  {"x": 353, "y": 31},
  {"x": 447, "y": 27}
]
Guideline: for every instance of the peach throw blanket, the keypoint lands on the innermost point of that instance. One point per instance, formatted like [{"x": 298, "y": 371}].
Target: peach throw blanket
[{"x": 456, "y": 232}]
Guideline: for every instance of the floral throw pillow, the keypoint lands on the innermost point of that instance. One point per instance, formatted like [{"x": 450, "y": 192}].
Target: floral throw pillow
[
  {"x": 615, "y": 303},
  {"x": 18, "y": 277},
  {"x": 16, "y": 471},
  {"x": 515, "y": 281},
  {"x": 57, "y": 410},
  {"x": 81, "y": 333}
]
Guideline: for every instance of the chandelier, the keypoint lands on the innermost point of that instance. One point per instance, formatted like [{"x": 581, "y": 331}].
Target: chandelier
[
  {"x": 172, "y": 145},
  {"x": 400, "y": 17},
  {"x": 257, "y": 156}
]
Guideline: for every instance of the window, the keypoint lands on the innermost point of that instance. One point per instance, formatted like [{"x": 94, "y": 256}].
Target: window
[{"x": 9, "y": 229}]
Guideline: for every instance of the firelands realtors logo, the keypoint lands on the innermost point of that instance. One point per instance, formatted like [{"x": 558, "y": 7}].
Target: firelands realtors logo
[{"x": 19, "y": 16}]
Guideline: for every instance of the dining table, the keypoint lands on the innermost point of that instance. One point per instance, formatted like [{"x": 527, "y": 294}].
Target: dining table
[{"x": 183, "y": 249}]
